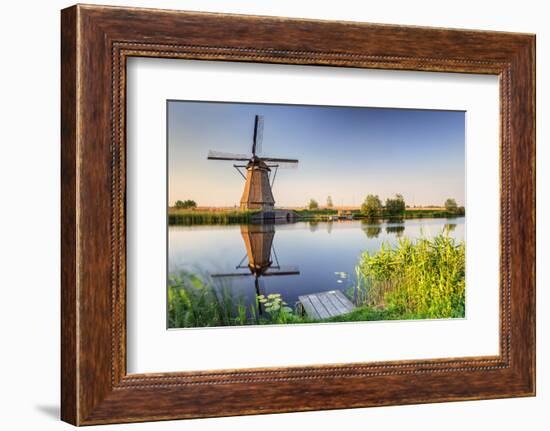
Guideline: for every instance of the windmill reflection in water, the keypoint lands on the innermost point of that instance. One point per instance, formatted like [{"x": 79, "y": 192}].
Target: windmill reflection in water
[{"x": 261, "y": 259}]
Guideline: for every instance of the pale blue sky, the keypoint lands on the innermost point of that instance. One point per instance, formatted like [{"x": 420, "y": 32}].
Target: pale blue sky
[{"x": 343, "y": 152}]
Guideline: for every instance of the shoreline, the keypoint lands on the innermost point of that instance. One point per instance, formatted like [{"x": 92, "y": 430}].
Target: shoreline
[{"x": 211, "y": 217}]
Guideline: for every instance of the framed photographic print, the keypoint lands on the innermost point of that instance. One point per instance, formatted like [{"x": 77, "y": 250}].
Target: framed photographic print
[
  {"x": 240, "y": 257},
  {"x": 331, "y": 214}
]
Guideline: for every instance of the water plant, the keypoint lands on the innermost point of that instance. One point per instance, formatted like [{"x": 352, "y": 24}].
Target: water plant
[
  {"x": 194, "y": 302},
  {"x": 279, "y": 311},
  {"x": 424, "y": 278}
]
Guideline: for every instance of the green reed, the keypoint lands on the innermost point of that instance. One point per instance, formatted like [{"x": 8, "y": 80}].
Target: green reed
[
  {"x": 194, "y": 301},
  {"x": 420, "y": 279},
  {"x": 197, "y": 217}
]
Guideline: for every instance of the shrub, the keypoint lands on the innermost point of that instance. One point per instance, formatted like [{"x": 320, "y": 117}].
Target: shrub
[
  {"x": 372, "y": 206},
  {"x": 395, "y": 206},
  {"x": 451, "y": 206},
  {"x": 313, "y": 205},
  {"x": 185, "y": 204}
]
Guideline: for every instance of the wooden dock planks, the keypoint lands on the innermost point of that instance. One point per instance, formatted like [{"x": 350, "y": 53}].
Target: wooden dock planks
[{"x": 324, "y": 305}]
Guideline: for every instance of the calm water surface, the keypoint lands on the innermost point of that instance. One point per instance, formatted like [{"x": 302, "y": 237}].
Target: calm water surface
[{"x": 290, "y": 259}]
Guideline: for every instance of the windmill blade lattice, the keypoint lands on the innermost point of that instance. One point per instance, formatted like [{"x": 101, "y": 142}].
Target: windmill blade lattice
[
  {"x": 220, "y": 155},
  {"x": 258, "y": 135},
  {"x": 282, "y": 165},
  {"x": 268, "y": 159},
  {"x": 282, "y": 270},
  {"x": 231, "y": 274}
]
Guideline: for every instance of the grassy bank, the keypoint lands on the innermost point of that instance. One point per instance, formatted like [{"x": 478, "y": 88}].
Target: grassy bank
[
  {"x": 356, "y": 213},
  {"x": 431, "y": 213},
  {"x": 413, "y": 280},
  {"x": 194, "y": 303},
  {"x": 305, "y": 213},
  {"x": 411, "y": 213},
  {"x": 197, "y": 217},
  {"x": 236, "y": 216}
]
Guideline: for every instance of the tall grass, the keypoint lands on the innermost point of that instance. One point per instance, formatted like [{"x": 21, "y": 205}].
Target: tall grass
[
  {"x": 212, "y": 216},
  {"x": 194, "y": 302},
  {"x": 422, "y": 279},
  {"x": 197, "y": 217},
  {"x": 426, "y": 213}
]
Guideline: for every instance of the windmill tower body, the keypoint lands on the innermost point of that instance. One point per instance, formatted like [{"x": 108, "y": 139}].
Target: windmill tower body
[{"x": 257, "y": 189}]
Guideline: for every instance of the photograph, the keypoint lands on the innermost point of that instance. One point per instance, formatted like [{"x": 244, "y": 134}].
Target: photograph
[{"x": 286, "y": 214}]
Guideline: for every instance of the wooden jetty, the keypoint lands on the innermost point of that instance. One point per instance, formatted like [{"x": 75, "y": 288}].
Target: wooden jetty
[{"x": 323, "y": 305}]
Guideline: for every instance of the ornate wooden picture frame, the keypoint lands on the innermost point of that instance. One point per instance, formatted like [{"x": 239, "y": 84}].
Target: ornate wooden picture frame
[{"x": 96, "y": 41}]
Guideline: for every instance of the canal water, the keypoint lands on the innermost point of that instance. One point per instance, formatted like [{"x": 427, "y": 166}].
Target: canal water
[{"x": 290, "y": 259}]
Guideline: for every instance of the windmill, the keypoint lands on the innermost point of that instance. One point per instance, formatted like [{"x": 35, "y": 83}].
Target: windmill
[
  {"x": 259, "y": 182},
  {"x": 262, "y": 258}
]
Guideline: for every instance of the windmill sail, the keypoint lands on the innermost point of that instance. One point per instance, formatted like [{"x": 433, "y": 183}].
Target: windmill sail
[
  {"x": 283, "y": 165},
  {"x": 232, "y": 274},
  {"x": 219, "y": 155},
  {"x": 278, "y": 160},
  {"x": 282, "y": 270},
  {"x": 258, "y": 134}
]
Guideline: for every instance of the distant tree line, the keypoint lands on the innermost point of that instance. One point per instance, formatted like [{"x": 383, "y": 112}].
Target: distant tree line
[
  {"x": 395, "y": 207},
  {"x": 188, "y": 204},
  {"x": 372, "y": 206}
]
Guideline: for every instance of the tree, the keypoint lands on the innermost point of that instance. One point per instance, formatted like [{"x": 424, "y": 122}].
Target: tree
[
  {"x": 313, "y": 205},
  {"x": 451, "y": 206},
  {"x": 185, "y": 204},
  {"x": 395, "y": 206},
  {"x": 329, "y": 202},
  {"x": 372, "y": 206}
]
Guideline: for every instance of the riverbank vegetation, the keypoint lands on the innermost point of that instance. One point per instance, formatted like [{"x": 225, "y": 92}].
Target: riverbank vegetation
[
  {"x": 191, "y": 217},
  {"x": 395, "y": 208},
  {"x": 236, "y": 216},
  {"x": 412, "y": 280},
  {"x": 194, "y": 302}
]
